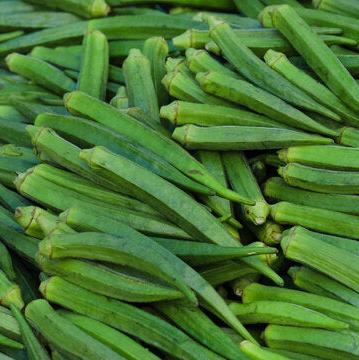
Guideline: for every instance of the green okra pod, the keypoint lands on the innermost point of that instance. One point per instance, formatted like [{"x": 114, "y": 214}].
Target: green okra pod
[
  {"x": 116, "y": 282},
  {"x": 338, "y": 264},
  {"x": 7, "y": 342},
  {"x": 270, "y": 233},
  {"x": 349, "y": 137},
  {"x": 14, "y": 133},
  {"x": 317, "y": 54},
  {"x": 7, "y": 219},
  {"x": 317, "y": 283},
  {"x": 120, "y": 101},
  {"x": 317, "y": 342},
  {"x": 276, "y": 188},
  {"x": 114, "y": 339},
  {"x": 344, "y": 7},
  {"x": 16, "y": 7},
  {"x": 6, "y": 264},
  {"x": 82, "y": 104},
  {"x": 94, "y": 65},
  {"x": 8, "y": 325},
  {"x": 121, "y": 48},
  {"x": 55, "y": 329},
  {"x": 140, "y": 84},
  {"x": 253, "y": 68},
  {"x": 32, "y": 345},
  {"x": 183, "y": 113},
  {"x": 9, "y": 112},
  {"x": 259, "y": 100},
  {"x": 320, "y": 180},
  {"x": 156, "y": 50},
  {"x": 284, "y": 313},
  {"x": 10, "y": 293},
  {"x": 321, "y": 220},
  {"x": 255, "y": 352},
  {"x": 249, "y": 8},
  {"x": 10, "y": 35},
  {"x": 40, "y": 72},
  {"x": 225, "y": 138}
]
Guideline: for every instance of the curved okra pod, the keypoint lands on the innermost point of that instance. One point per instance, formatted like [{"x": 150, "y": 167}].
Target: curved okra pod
[
  {"x": 40, "y": 72},
  {"x": 80, "y": 103},
  {"x": 259, "y": 100},
  {"x": 56, "y": 330},
  {"x": 317, "y": 54},
  {"x": 226, "y": 138},
  {"x": 256, "y": 71},
  {"x": 320, "y": 180},
  {"x": 94, "y": 65}
]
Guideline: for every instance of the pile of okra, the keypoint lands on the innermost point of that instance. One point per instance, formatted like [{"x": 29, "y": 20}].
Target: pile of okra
[{"x": 179, "y": 179}]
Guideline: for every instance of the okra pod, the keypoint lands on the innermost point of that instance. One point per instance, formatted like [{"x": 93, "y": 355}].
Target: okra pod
[
  {"x": 105, "y": 114},
  {"x": 317, "y": 342},
  {"x": 345, "y": 7},
  {"x": 249, "y": 8},
  {"x": 318, "y": 55},
  {"x": 254, "y": 352},
  {"x": 7, "y": 342},
  {"x": 10, "y": 35},
  {"x": 10, "y": 293},
  {"x": 115, "y": 282},
  {"x": 8, "y": 325},
  {"x": 94, "y": 65},
  {"x": 14, "y": 133},
  {"x": 11, "y": 113},
  {"x": 277, "y": 189},
  {"x": 16, "y": 7},
  {"x": 156, "y": 50},
  {"x": 121, "y": 48},
  {"x": 6, "y": 264},
  {"x": 258, "y": 100},
  {"x": 320, "y": 284},
  {"x": 120, "y": 101},
  {"x": 114, "y": 339},
  {"x": 270, "y": 233},
  {"x": 321, "y": 93},
  {"x": 320, "y": 180},
  {"x": 32, "y": 345},
  {"x": 7, "y": 219},
  {"x": 56, "y": 328},
  {"x": 227, "y": 138},
  {"x": 253, "y": 68},
  {"x": 349, "y": 137},
  {"x": 183, "y": 113}
]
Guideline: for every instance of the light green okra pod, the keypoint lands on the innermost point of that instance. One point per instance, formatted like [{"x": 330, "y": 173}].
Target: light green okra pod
[{"x": 255, "y": 352}]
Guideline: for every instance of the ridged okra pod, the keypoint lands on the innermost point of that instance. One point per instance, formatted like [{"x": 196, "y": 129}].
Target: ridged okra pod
[
  {"x": 280, "y": 63},
  {"x": 94, "y": 65},
  {"x": 276, "y": 188},
  {"x": 140, "y": 84},
  {"x": 226, "y": 138},
  {"x": 317, "y": 54},
  {"x": 56, "y": 329},
  {"x": 10, "y": 293},
  {"x": 320, "y": 343},
  {"x": 242, "y": 180},
  {"x": 40, "y": 72},
  {"x": 256, "y": 71},
  {"x": 249, "y": 8},
  {"x": 131, "y": 320},
  {"x": 14, "y": 133},
  {"x": 9, "y": 343},
  {"x": 344, "y": 7},
  {"x": 80, "y": 103},
  {"x": 183, "y": 113},
  {"x": 6, "y": 264},
  {"x": 114, "y": 339},
  {"x": 317, "y": 283},
  {"x": 156, "y": 50},
  {"x": 321, "y": 220},
  {"x": 270, "y": 233},
  {"x": 320, "y": 180},
  {"x": 9, "y": 327},
  {"x": 259, "y": 100},
  {"x": 255, "y": 352},
  {"x": 120, "y": 101},
  {"x": 303, "y": 247},
  {"x": 284, "y": 313},
  {"x": 333, "y": 308}
]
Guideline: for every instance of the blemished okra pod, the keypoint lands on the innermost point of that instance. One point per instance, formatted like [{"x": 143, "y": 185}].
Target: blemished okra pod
[
  {"x": 140, "y": 84},
  {"x": 258, "y": 100},
  {"x": 183, "y": 113},
  {"x": 284, "y": 313},
  {"x": 317, "y": 283},
  {"x": 94, "y": 65},
  {"x": 227, "y": 138},
  {"x": 255, "y": 352},
  {"x": 40, "y": 72},
  {"x": 321, "y": 93},
  {"x": 327, "y": 157},
  {"x": 10, "y": 293},
  {"x": 242, "y": 180},
  {"x": 317, "y": 54},
  {"x": 321, "y": 220},
  {"x": 256, "y": 71},
  {"x": 249, "y": 8},
  {"x": 32, "y": 345},
  {"x": 276, "y": 188},
  {"x": 320, "y": 180},
  {"x": 318, "y": 342},
  {"x": 345, "y": 7},
  {"x": 156, "y": 50},
  {"x": 85, "y": 105},
  {"x": 118, "y": 283},
  {"x": 167, "y": 266},
  {"x": 131, "y": 320},
  {"x": 333, "y": 308},
  {"x": 55, "y": 328},
  {"x": 306, "y": 249},
  {"x": 83, "y": 8},
  {"x": 200, "y": 327},
  {"x": 114, "y": 339}
]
